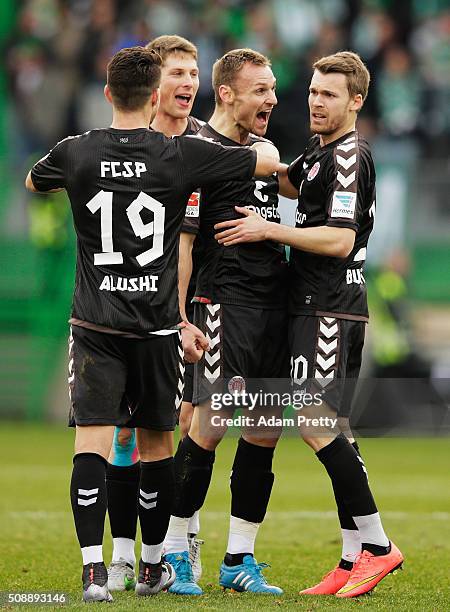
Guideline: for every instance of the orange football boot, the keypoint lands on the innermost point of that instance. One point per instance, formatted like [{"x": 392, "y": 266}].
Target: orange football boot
[
  {"x": 330, "y": 583},
  {"x": 369, "y": 570}
]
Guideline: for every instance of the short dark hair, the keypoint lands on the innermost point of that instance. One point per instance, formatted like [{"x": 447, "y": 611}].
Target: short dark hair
[
  {"x": 350, "y": 64},
  {"x": 133, "y": 74},
  {"x": 168, "y": 44},
  {"x": 227, "y": 67}
]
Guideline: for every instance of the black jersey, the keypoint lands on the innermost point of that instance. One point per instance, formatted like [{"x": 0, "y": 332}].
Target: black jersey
[
  {"x": 191, "y": 221},
  {"x": 336, "y": 185},
  {"x": 249, "y": 274},
  {"x": 128, "y": 191}
]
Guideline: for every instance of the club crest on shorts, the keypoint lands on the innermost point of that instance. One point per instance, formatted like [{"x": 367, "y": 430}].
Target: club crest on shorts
[
  {"x": 313, "y": 172},
  {"x": 236, "y": 384}
]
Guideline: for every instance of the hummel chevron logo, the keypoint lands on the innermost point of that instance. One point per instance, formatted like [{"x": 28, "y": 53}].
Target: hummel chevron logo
[
  {"x": 87, "y": 493},
  {"x": 346, "y": 147},
  {"x": 327, "y": 348},
  {"x": 213, "y": 308},
  {"x": 212, "y": 376},
  {"x": 346, "y": 163},
  {"x": 213, "y": 325},
  {"x": 325, "y": 363},
  {"x": 324, "y": 380},
  {"x": 345, "y": 181},
  {"x": 211, "y": 359},
  {"x": 328, "y": 332},
  {"x": 147, "y": 504},
  {"x": 213, "y": 341},
  {"x": 329, "y": 319}
]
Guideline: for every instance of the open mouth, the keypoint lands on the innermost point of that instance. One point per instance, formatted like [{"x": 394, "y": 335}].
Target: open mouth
[
  {"x": 318, "y": 116},
  {"x": 263, "y": 116},
  {"x": 184, "y": 99}
]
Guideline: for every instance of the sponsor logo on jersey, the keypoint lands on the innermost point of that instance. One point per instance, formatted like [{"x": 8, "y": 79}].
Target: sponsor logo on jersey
[
  {"x": 193, "y": 207},
  {"x": 122, "y": 283},
  {"x": 265, "y": 212},
  {"x": 355, "y": 276},
  {"x": 313, "y": 172},
  {"x": 300, "y": 218},
  {"x": 344, "y": 204}
]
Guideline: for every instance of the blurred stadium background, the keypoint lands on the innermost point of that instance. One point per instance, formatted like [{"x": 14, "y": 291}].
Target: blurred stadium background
[{"x": 54, "y": 54}]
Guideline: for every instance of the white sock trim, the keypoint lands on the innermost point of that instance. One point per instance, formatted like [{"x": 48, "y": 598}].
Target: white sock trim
[
  {"x": 176, "y": 538},
  {"x": 194, "y": 523},
  {"x": 151, "y": 553},
  {"x": 351, "y": 544},
  {"x": 92, "y": 554},
  {"x": 371, "y": 530},
  {"x": 242, "y": 536},
  {"x": 123, "y": 548}
]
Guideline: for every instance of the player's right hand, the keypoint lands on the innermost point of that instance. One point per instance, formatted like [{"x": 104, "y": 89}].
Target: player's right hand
[{"x": 194, "y": 343}]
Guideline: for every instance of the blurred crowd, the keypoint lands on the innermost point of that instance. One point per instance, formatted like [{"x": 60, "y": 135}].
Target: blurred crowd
[{"x": 57, "y": 53}]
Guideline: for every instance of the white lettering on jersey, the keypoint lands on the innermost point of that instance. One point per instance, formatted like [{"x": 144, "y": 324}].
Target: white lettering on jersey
[
  {"x": 265, "y": 212},
  {"x": 355, "y": 276},
  {"x": 259, "y": 186},
  {"x": 121, "y": 283},
  {"x": 113, "y": 168},
  {"x": 300, "y": 217}
]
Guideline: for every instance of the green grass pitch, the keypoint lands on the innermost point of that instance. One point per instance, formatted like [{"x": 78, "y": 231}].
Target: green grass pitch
[{"x": 300, "y": 537}]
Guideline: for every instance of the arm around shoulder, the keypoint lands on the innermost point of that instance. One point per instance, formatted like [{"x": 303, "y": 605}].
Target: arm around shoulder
[{"x": 267, "y": 158}]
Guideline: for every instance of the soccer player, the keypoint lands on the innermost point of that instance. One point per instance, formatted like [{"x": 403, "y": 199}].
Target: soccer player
[
  {"x": 179, "y": 86},
  {"x": 240, "y": 305},
  {"x": 128, "y": 187},
  {"x": 335, "y": 183}
]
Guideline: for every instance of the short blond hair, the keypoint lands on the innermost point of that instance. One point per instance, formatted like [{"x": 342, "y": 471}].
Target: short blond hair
[
  {"x": 226, "y": 68},
  {"x": 350, "y": 64},
  {"x": 171, "y": 43}
]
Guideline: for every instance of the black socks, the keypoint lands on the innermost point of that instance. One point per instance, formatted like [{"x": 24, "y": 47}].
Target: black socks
[
  {"x": 156, "y": 493},
  {"x": 122, "y": 484},
  {"x": 348, "y": 475},
  {"x": 193, "y": 471},
  {"x": 251, "y": 481},
  {"x": 88, "y": 497}
]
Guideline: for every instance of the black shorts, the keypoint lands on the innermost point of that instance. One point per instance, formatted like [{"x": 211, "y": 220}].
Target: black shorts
[
  {"x": 245, "y": 343},
  {"x": 188, "y": 382},
  {"x": 123, "y": 381},
  {"x": 326, "y": 356}
]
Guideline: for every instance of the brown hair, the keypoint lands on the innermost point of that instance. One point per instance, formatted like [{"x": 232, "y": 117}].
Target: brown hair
[
  {"x": 350, "y": 64},
  {"x": 168, "y": 44},
  {"x": 133, "y": 74},
  {"x": 226, "y": 68}
]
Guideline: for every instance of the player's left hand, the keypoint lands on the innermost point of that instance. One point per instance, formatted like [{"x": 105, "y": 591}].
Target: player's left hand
[
  {"x": 194, "y": 343},
  {"x": 251, "y": 228}
]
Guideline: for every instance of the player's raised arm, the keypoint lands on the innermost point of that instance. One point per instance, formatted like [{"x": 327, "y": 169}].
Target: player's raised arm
[
  {"x": 267, "y": 156},
  {"x": 208, "y": 162}
]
